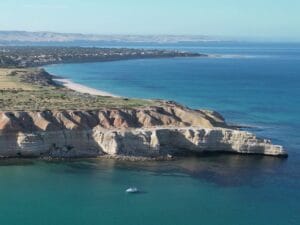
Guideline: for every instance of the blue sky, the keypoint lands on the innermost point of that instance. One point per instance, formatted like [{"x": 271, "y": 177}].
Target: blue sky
[{"x": 269, "y": 19}]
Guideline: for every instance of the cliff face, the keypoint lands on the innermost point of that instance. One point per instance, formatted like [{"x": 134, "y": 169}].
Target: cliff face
[{"x": 150, "y": 131}]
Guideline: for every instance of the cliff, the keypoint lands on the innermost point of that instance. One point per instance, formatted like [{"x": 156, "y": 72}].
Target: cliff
[{"x": 148, "y": 131}]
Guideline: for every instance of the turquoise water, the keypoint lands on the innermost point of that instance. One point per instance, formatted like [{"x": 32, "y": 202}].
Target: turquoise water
[
  {"x": 212, "y": 190},
  {"x": 257, "y": 85}
]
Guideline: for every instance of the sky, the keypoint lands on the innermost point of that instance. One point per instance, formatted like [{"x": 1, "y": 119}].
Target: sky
[{"x": 262, "y": 19}]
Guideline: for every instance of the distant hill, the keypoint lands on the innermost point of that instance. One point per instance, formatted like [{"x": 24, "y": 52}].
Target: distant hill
[{"x": 11, "y": 37}]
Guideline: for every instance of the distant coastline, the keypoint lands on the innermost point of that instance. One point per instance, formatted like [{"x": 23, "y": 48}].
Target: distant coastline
[
  {"x": 48, "y": 37},
  {"x": 24, "y": 57},
  {"x": 36, "y": 56}
]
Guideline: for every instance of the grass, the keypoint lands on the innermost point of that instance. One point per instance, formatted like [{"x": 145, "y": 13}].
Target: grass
[
  {"x": 9, "y": 80},
  {"x": 18, "y": 95}
]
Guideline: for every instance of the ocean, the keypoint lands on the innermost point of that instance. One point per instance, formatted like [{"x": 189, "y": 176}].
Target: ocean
[{"x": 253, "y": 84}]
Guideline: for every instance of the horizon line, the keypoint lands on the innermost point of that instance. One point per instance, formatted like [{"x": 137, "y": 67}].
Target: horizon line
[{"x": 217, "y": 38}]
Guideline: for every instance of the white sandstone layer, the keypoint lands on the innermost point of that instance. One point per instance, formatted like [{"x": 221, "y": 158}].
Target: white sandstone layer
[{"x": 149, "y": 132}]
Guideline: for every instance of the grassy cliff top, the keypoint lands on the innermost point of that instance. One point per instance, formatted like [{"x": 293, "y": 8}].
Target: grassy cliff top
[{"x": 33, "y": 89}]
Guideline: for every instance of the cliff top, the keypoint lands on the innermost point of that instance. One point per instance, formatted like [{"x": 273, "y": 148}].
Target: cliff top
[
  {"x": 33, "y": 89},
  {"x": 40, "y": 117}
]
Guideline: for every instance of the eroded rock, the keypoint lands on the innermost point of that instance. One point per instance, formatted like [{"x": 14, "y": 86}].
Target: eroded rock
[{"x": 151, "y": 131}]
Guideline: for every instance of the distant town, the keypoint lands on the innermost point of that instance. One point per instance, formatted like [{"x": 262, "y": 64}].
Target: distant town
[{"x": 22, "y": 57}]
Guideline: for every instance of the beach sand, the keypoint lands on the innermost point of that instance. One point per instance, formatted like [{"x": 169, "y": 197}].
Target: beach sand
[{"x": 81, "y": 88}]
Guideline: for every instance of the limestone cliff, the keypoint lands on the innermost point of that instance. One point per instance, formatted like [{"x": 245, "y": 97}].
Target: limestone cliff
[{"x": 149, "y": 131}]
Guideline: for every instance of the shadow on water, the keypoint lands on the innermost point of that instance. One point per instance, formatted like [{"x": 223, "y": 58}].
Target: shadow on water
[
  {"x": 220, "y": 169},
  {"x": 233, "y": 170},
  {"x": 16, "y": 162},
  {"x": 138, "y": 193}
]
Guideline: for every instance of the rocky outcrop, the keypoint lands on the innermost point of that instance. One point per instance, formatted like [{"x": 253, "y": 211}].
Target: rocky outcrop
[
  {"x": 151, "y": 131},
  {"x": 163, "y": 141}
]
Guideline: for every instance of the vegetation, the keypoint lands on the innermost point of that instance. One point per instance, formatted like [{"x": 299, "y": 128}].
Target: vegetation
[
  {"x": 33, "y": 89},
  {"x": 23, "y": 87},
  {"x": 24, "y": 57}
]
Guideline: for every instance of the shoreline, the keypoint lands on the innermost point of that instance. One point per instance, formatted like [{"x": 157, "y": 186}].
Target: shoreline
[{"x": 67, "y": 83}]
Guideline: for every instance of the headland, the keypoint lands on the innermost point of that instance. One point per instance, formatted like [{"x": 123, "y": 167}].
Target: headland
[{"x": 41, "y": 117}]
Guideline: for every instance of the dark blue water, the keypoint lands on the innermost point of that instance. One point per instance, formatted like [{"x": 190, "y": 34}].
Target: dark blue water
[{"x": 255, "y": 84}]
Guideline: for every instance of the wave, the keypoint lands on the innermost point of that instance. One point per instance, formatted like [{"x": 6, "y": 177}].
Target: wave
[{"x": 238, "y": 56}]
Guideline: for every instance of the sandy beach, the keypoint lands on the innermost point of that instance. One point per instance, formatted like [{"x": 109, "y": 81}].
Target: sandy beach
[{"x": 81, "y": 88}]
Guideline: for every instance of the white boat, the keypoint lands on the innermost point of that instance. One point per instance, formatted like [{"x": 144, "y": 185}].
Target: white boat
[{"x": 132, "y": 190}]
